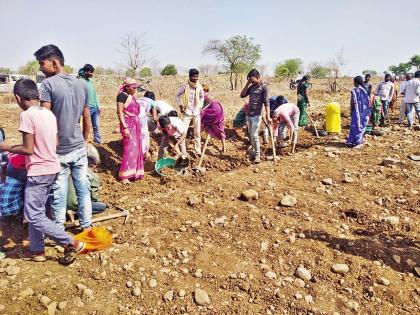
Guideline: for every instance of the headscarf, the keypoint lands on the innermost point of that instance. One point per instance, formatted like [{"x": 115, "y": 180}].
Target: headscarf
[
  {"x": 81, "y": 73},
  {"x": 127, "y": 82},
  {"x": 198, "y": 88}
]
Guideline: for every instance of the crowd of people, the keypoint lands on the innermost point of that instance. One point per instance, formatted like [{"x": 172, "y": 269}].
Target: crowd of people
[{"x": 52, "y": 168}]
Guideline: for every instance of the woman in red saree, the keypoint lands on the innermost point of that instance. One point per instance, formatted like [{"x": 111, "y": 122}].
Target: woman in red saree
[{"x": 128, "y": 110}]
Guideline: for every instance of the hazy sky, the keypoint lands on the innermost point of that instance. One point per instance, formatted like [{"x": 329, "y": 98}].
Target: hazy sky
[{"x": 373, "y": 33}]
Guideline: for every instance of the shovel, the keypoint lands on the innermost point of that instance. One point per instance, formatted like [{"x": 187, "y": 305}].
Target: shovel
[
  {"x": 270, "y": 132},
  {"x": 200, "y": 169},
  {"x": 123, "y": 213},
  {"x": 313, "y": 124}
]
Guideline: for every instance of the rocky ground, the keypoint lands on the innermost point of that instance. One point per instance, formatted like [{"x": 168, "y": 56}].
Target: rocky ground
[{"x": 327, "y": 230}]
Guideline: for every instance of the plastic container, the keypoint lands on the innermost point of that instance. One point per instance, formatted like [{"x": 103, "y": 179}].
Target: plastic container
[
  {"x": 166, "y": 162},
  {"x": 333, "y": 118}
]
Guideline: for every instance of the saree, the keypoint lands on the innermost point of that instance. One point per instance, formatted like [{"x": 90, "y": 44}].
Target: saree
[
  {"x": 359, "y": 116},
  {"x": 376, "y": 111},
  {"x": 213, "y": 120},
  {"x": 132, "y": 164},
  {"x": 302, "y": 103},
  {"x": 145, "y": 107}
]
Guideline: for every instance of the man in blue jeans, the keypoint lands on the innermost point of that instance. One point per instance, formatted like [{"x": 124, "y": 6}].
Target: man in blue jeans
[
  {"x": 385, "y": 91},
  {"x": 67, "y": 97},
  {"x": 86, "y": 74},
  {"x": 411, "y": 92},
  {"x": 258, "y": 96}
]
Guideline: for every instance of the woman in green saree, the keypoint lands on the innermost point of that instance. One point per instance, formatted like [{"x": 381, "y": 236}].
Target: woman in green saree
[{"x": 302, "y": 100}]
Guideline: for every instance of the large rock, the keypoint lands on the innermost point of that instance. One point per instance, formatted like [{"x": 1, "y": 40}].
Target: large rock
[
  {"x": 384, "y": 281},
  {"x": 168, "y": 296},
  {"x": 303, "y": 274},
  {"x": 26, "y": 292},
  {"x": 201, "y": 297},
  {"x": 327, "y": 181},
  {"x": 288, "y": 201},
  {"x": 193, "y": 201},
  {"x": 390, "y": 161},
  {"x": 249, "y": 194},
  {"x": 340, "y": 268},
  {"x": 12, "y": 270},
  {"x": 393, "y": 220},
  {"x": 52, "y": 307}
]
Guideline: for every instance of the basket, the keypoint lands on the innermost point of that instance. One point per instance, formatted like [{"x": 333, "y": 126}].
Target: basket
[{"x": 166, "y": 162}]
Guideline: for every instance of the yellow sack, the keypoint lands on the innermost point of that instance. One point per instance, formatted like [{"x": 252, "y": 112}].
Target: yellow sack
[
  {"x": 332, "y": 117},
  {"x": 97, "y": 238}
]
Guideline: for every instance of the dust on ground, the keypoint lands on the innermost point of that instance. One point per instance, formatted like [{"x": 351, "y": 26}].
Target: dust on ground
[{"x": 249, "y": 257}]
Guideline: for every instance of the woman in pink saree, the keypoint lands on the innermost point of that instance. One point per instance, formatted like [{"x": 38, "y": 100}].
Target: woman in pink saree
[{"x": 128, "y": 110}]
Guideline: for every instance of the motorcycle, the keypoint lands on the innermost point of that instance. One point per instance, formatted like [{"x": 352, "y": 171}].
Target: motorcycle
[{"x": 293, "y": 84}]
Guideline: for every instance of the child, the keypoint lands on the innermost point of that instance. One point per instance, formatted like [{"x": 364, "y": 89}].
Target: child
[
  {"x": 287, "y": 114},
  {"x": 12, "y": 190},
  {"x": 172, "y": 127},
  {"x": 258, "y": 96},
  {"x": 39, "y": 136}
]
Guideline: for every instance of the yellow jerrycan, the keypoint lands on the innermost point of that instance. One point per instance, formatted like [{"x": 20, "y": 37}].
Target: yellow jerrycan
[{"x": 332, "y": 117}]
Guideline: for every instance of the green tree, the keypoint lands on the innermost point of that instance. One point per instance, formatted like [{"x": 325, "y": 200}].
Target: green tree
[
  {"x": 318, "y": 71},
  {"x": 415, "y": 61},
  {"x": 289, "y": 68},
  {"x": 145, "y": 72},
  {"x": 130, "y": 73},
  {"x": 68, "y": 69},
  {"x": 99, "y": 70},
  {"x": 402, "y": 68},
  {"x": 5, "y": 70},
  {"x": 371, "y": 72},
  {"x": 30, "y": 68},
  {"x": 169, "y": 70},
  {"x": 238, "y": 55}
]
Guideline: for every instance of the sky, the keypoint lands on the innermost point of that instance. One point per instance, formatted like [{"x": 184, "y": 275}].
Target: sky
[{"x": 373, "y": 34}]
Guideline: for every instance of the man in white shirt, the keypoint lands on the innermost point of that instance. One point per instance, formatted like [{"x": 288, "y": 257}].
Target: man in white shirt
[
  {"x": 385, "y": 91},
  {"x": 403, "y": 108},
  {"x": 190, "y": 98},
  {"x": 411, "y": 92}
]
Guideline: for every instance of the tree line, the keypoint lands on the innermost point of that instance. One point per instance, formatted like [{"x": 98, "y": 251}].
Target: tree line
[{"x": 237, "y": 55}]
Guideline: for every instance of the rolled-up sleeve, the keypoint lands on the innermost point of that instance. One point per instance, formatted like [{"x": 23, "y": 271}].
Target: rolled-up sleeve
[{"x": 178, "y": 94}]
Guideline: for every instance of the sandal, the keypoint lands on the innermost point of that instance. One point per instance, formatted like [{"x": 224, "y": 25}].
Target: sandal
[{"x": 71, "y": 251}]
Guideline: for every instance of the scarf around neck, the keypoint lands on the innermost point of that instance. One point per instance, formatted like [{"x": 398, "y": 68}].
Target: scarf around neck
[{"x": 198, "y": 88}]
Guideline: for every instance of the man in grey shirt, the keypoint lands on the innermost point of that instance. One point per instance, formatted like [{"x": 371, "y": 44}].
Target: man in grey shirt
[
  {"x": 258, "y": 96},
  {"x": 67, "y": 98}
]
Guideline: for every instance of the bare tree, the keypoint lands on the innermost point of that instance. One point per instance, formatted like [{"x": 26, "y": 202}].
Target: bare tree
[
  {"x": 155, "y": 67},
  {"x": 335, "y": 65},
  {"x": 135, "y": 52},
  {"x": 208, "y": 69},
  {"x": 263, "y": 69}
]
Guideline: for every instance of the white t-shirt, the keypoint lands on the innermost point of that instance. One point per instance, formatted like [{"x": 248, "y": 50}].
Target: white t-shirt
[
  {"x": 178, "y": 127},
  {"x": 163, "y": 108}
]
